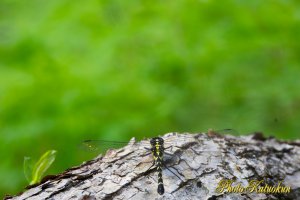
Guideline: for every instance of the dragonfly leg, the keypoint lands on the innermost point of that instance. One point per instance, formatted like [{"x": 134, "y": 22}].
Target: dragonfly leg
[
  {"x": 167, "y": 147},
  {"x": 153, "y": 163},
  {"x": 149, "y": 149},
  {"x": 169, "y": 154},
  {"x": 149, "y": 169},
  {"x": 172, "y": 172}
]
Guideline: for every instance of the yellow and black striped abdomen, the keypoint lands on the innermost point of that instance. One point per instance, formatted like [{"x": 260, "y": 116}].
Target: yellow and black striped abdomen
[
  {"x": 157, "y": 145},
  {"x": 160, "y": 188}
]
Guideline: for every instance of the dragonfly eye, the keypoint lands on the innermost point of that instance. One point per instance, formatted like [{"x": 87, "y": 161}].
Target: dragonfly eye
[
  {"x": 156, "y": 140},
  {"x": 153, "y": 140},
  {"x": 161, "y": 140}
]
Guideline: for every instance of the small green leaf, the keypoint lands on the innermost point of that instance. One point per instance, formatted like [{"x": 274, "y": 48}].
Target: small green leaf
[
  {"x": 27, "y": 167},
  {"x": 42, "y": 165}
]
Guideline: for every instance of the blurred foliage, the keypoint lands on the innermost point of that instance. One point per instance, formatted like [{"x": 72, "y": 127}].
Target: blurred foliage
[{"x": 115, "y": 69}]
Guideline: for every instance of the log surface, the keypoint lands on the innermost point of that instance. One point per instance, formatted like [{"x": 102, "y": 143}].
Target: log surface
[{"x": 200, "y": 162}]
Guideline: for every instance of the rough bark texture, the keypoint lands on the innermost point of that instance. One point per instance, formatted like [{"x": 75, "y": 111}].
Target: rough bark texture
[{"x": 201, "y": 160}]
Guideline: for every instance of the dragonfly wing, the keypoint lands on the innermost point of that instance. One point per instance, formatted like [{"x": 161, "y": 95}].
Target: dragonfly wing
[
  {"x": 173, "y": 137},
  {"x": 97, "y": 145},
  {"x": 223, "y": 131}
]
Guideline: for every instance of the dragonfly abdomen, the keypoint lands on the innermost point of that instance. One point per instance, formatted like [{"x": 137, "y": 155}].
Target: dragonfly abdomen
[
  {"x": 160, "y": 188},
  {"x": 158, "y": 151}
]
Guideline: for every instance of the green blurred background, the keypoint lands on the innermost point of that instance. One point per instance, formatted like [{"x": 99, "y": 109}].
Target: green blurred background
[{"x": 115, "y": 69}]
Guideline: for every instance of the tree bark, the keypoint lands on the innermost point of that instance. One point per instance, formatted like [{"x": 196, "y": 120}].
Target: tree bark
[{"x": 197, "y": 165}]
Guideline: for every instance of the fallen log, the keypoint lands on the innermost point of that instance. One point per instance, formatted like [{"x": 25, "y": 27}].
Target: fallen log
[{"x": 196, "y": 166}]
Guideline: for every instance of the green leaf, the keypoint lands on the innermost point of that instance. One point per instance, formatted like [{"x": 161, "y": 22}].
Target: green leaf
[
  {"x": 42, "y": 165},
  {"x": 27, "y": 168}
]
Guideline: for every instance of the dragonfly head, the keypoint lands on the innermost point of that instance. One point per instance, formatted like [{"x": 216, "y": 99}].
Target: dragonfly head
[{"x": 156, "y": 140}]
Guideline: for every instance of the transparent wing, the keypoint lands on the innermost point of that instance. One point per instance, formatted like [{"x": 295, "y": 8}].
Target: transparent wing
[
  {"x": 223, "y": 131},
  {"x": 185, "y": 137},
  {"x": 95, "y": 145}
]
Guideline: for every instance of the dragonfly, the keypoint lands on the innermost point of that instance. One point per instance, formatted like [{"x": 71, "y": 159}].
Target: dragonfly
[
  {"x": 157, "y": 150},
  {"x": 156, "y": 147}
]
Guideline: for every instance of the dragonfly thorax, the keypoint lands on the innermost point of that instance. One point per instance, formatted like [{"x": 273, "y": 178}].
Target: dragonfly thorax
[{"x": 157, "y": 148}]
